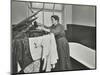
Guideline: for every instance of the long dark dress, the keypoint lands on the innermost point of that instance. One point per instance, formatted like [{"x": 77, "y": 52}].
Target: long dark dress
[{"x": 62, "y": 48}]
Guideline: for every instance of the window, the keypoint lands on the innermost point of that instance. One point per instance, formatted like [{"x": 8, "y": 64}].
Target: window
[
  {"x": 58, "y": 6},
  {"x": 37, "y": 5},
  {"x": 44, "y": 17},
  {"x": 47, "y": 18},
  {"x": 48, "y": 6}
]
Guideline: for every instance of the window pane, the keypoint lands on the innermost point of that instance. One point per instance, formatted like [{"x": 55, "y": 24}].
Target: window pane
[
  {"x": 48, "y": 6},
  {"x": 37, "y": 5},
  {"x": 58, "y": 6},
  {"x": 40, "y": 17},
  {"x": 47, "y": 18}
]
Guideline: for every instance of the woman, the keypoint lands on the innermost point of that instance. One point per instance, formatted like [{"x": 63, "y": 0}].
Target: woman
[{"x": 62, "y": 45}]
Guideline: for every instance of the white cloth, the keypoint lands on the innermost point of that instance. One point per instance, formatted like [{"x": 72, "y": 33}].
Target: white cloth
[
  {"x": 35, "y": 47},
  {"x": 33, "y": 67},
  {"x": 50, "y": 51},
  {"x": 44, "y": 47}
]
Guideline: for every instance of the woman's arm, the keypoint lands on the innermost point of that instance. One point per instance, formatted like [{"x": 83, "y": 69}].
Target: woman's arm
[
  {"x": 57, "y": 30},
  {"x": 47, "y": 27}
]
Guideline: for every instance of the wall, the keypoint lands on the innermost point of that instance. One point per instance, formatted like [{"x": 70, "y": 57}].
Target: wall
[
  {"x": 19, "y": 12},
  {"x": 79, "y": 14},
  {"x": 67, "y": 15},
  {"x": 83, "y": 15}
]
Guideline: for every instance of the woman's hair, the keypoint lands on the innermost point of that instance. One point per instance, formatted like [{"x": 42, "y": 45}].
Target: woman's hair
[{"x": 55, "y": 17}]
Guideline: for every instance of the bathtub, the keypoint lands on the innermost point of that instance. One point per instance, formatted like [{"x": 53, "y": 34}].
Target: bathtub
[{"x": 83, "y": 54}]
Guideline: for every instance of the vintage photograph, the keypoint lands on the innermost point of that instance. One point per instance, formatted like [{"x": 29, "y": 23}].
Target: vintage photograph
[{"x": 52, "y": 37}]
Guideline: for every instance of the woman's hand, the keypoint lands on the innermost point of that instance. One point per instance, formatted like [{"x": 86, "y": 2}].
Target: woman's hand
[
  {"x": 48, "y": 30},
  {"x": 43, "y": 28}
]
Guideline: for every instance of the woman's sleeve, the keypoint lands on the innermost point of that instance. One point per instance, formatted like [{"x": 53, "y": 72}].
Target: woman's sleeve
[{"x": 57, "y": 30}]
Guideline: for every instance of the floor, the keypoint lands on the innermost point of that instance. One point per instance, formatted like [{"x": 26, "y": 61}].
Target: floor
[{"x": 77, "y": 65}]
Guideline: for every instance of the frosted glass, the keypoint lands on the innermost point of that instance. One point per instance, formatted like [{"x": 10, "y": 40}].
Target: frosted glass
[
  {"x": 48, "y": 6},
  {"x": 40, "y": 17},
  {"x": 58, "y": 6},
  {"x": 47, "y": 18},
  {"x": 37, "y": 5}
]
